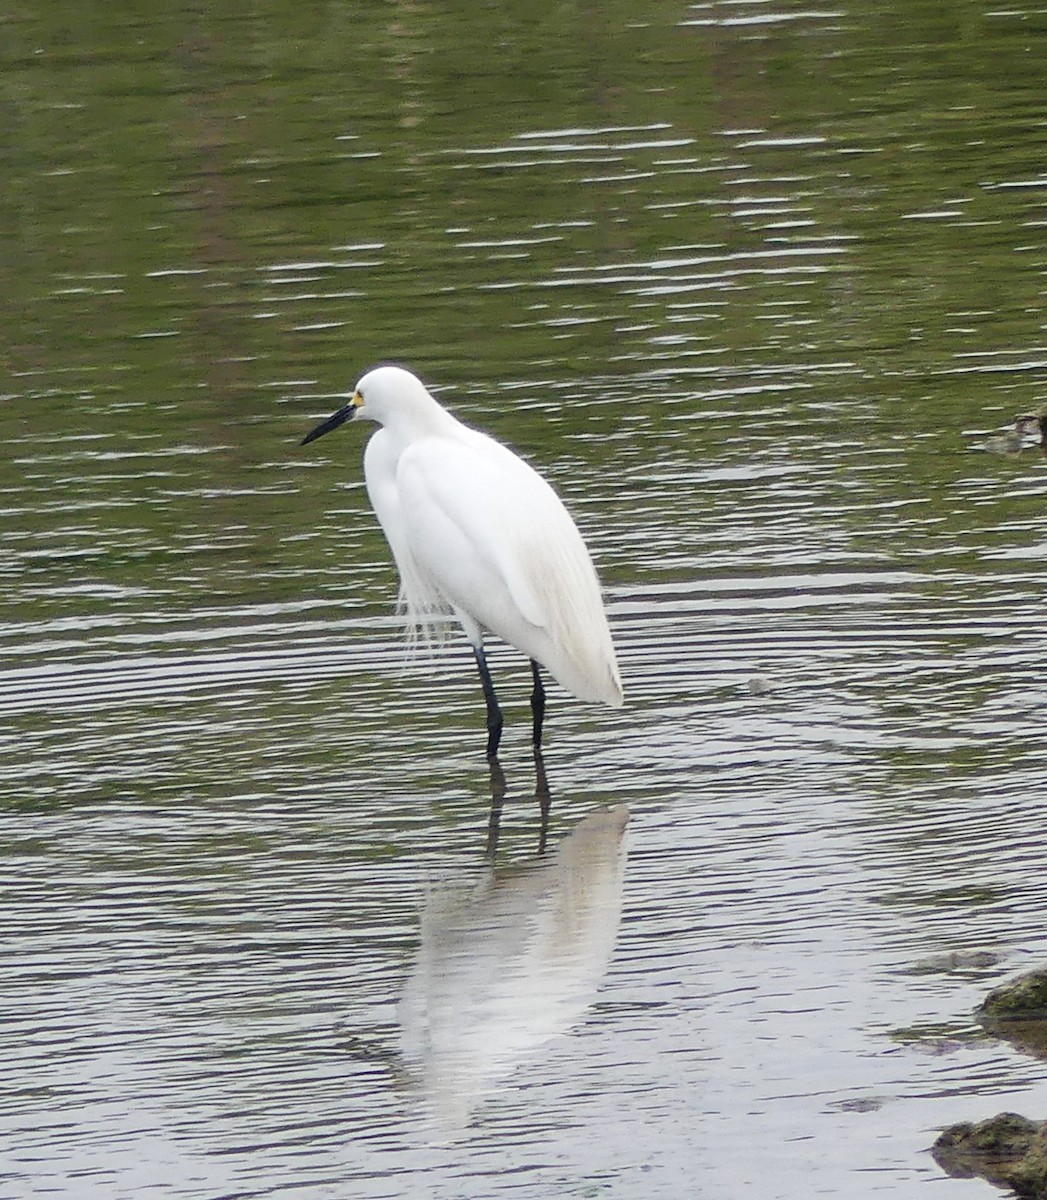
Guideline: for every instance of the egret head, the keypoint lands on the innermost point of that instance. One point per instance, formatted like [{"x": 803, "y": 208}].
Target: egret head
[{"x": 380, "y": 395}]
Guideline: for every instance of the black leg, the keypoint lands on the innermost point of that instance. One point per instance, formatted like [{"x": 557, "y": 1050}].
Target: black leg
[
  {"x": 537, "y": 706},
  {"x": 494, "y": 713}
]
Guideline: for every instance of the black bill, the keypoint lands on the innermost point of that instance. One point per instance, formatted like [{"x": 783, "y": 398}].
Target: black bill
[{"x": 339, "y": 418}]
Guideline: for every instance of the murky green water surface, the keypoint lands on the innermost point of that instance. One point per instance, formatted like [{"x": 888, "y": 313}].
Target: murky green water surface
[{"x": 748, "y": 282}]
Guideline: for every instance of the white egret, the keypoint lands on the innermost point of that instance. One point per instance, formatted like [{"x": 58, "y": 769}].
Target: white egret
[{"x": 478, "y": 533}]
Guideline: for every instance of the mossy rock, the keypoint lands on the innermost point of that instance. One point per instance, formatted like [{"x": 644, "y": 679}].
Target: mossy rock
[
  {"x": 1017, "y": 1011},
  {"x": 1007, "y": 1150},
  {"x": 1020, "y": 999}
]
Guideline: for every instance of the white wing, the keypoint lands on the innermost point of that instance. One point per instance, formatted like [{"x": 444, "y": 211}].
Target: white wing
[{"x": 496, "y": 542}]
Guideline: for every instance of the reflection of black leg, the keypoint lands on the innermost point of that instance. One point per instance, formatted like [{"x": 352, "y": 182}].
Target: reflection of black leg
[
  {"x": 537, "y": 706},
  {"x": 497, "y": 799},
  {"x": 543, "y": 796},
  {"x": 494, "y": 713}
]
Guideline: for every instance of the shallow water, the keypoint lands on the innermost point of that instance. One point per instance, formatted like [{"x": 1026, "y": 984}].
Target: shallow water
[{"x": 749, "y": 285}]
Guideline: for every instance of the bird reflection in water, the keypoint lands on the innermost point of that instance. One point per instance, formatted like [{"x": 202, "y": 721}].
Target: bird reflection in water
[
  {"x": 542, "y": 796},
  {"x": 508, "y": 961}
]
